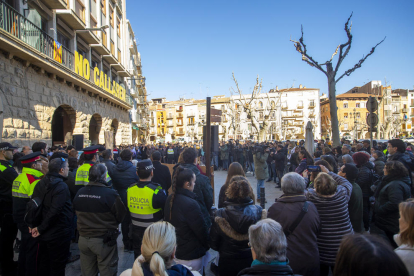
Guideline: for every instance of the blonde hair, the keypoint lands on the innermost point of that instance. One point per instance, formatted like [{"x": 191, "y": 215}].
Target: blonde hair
[
  {"x": 158, "y": 245},
  {"x": 324, "y": 184},
  {"x": 407, "y": 212}
]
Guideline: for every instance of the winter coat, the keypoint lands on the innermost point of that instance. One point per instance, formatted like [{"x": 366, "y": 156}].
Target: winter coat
[
  {"x": 379, "y": 166},
  {"x": 406, "y": 160},
  {"x": 110, "y": 165},
  {"x": 391, "y": 192},
  {"x": 260, "y": 165},
  {"x": 365, "y": 178},
  {"x": 204, "y": 192},
  {"x": 99, "y": 209},
  {"x": 355, "y": 208},
  {"x": 266, "y": 270},
  {"x": 230, "y": 230},
  {"x": 302, "y": 251},
  {"x": 303, "y": 165},
  {"x": 123, "y": 176},
  {"x": 57, "y": 212},
  {"x": 280, "y": 160},
  {"x": 406, "y": 254},
  {"x": 224, "y": 153},
  {"x": 142, "y": 268},
  {"x": 335, "y": 222},
  {"x": 294, "y": 159},
  {"x": 190, "y": 226},
  {"x": 162, "y": 175}
]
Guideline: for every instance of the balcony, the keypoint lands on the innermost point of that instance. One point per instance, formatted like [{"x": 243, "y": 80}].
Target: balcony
[
  {"x": 170, "y": 117},
  {"x": 202, "y": 117},
  {"x": 191, "y": 124},
  {"x": 299, "y": 106},
  {"x": 396, "y": 111},
  {"x": 133, "y": 92},
  {"x": 284, "y": 107},
  {"x": 170, "y": 126},
  {"x": 191, "y": 114},
  {"x": 179, "y": 109},
  {"x": 311, "y": 105},
  {"x": 153, "y": 133},
  {"x": 119, "y": 6},
  {"x": 110, "y": 59},
  {"x": 311, "y": 115},
  {"x": 180, "y": 134},
  {"x": 88, "y": 36},
  {"x": 72, "y": 19},
  {"x": 405, "y": 110},
  {"x": 179, "y": 116},
  {"x": 179, "y": 123},
  {"x": 52, "y": 4}
]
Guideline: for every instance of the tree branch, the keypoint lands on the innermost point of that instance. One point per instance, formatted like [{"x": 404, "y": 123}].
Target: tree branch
[
  {"x": 348, "y": 44},
  {"x": 305, "y": 57},
  {"x": 359, "y": 64}
]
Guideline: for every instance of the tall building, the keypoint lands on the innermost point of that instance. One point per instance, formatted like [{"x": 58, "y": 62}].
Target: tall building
[{"x": 64, "y": 71}]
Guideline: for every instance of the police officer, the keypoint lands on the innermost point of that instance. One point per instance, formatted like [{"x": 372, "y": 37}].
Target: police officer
[
  {"x": 22, "y": 190},
  {"x": 8, "y": 230},
  {"x": 82, "y": 174},
  {"x": 100, "y": 211},
  {"x": 146, "y": 202}
]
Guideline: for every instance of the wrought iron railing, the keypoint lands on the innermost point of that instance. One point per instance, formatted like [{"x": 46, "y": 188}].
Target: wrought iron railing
[{"x": 20, "y": 27}]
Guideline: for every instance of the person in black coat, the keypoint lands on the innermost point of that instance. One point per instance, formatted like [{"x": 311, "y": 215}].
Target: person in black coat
[
  {"x": 184, "y": 213},
  {"x": 162, "y": 173},
  {"x": 54, "y": 232},
  {"x": 364, "y": 180},
  {"x": 108, "y": 161},
  {"x": 229, "y": 232},
  {"x": 268, "y": 245},
  {"x": 394, "y": 189},
  {"x": 123, "y": 176},
  {"x": 280, "y": 161}
]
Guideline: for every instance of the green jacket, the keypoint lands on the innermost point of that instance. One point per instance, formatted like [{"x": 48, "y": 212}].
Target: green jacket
[
  {"x": 260, "y": 165},
  {"x": 224, "y": 153}
]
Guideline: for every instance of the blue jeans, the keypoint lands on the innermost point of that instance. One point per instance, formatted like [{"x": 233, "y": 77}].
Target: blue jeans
[
  {"x": 260, "y": 183},
  {"x": 269, "y": 170},
  {"x": 274, "y": 171},
  {"x": 251, "y": 165},
  {"x": 225, "y": 164}
]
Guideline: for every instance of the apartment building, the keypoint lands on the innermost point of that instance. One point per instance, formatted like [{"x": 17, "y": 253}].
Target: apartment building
[{"x": 65, "y": 69}]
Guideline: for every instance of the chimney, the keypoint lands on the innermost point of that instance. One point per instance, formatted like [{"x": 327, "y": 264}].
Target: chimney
[{"x": 300, "y": 86}]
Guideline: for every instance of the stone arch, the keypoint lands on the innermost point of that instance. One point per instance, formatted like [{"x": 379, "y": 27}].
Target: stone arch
[
  {"x": 63, "y": 124},
  {"x": 95, "y": 126}
]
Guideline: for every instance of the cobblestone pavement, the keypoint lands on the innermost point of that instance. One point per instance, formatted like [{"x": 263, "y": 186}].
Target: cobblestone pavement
[{"x": 126, "y": 259}]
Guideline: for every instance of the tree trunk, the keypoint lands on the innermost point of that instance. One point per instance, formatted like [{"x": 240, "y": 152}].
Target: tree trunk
[{"x": 336, "y": 141}]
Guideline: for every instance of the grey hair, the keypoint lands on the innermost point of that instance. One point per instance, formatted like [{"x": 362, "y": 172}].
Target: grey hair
[
  {"x": 268, "y": 241},
  {"x": 348, "y": 159},
  {"x": 98, "y": 172},
  {"x": 347, "y": 146},
  {"x": 293, "y": 183}
]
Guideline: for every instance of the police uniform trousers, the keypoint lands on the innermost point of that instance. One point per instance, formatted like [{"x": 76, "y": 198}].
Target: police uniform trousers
[
  {"x": 28, "y": 252},
  {"x": 8, "y": 234},
  {"x": 137, "y": 236},
  {"x": 96, "y": 256}
]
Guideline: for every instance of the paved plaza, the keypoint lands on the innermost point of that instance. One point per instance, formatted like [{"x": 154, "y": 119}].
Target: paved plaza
[{"x": 126, "y": 259}]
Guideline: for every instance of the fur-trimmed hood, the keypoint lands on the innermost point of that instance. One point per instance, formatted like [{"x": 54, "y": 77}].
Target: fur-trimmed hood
[{"x": 235, "y": 224}]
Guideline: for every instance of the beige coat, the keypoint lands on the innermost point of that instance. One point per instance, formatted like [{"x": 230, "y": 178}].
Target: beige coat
[{"x": 406, "y": 254}]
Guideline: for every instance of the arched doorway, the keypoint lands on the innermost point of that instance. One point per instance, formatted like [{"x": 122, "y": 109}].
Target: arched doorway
[
  {"x": 63, "y": 123},
  {"x": 114, "y": 129},
  {"x": 95, "y": 128}
]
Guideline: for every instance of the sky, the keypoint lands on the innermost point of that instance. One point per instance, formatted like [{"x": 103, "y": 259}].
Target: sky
[{"x": 190, "y": 48}]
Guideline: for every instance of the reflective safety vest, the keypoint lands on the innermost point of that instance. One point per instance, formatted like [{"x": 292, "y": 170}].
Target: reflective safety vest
[
  {"x": 25, "y": 183},
  {"x": 140, "y": 204},
  {"x": 170, "y": 151},
  {"x": 82, "y": 175},
  {"x": 3, "y": 168}
]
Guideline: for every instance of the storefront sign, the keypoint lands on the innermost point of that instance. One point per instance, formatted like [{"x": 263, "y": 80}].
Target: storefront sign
[{"x": 82, "y": 68}]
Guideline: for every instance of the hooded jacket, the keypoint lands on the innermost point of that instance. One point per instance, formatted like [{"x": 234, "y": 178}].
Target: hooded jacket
[
  {"x": 204, "y": 192},
  {"x": 57, "y": 207},
  {"x": 123, "y": 176},
  {"x": 229, "y": 233},
  {"x": 365, "y": 178},
  {"x": 391, "y": 192}
]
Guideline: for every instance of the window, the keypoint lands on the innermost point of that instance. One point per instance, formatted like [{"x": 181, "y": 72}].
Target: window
[
  {"x": 345, "y": 115},
  {"x": 118, "y": 22},
  {"x": 119, "y": 55},
  {"x": 358, "y": 115},
  {"x": 80, "y": 10},
  {"x": 261, "y": 115},
  {"x": 346, "y": 126},
  {"x": 312, "y": 103},
  {"x": 357, "y": 105},
  {"x": 104, "y": 39},
  {"x": 112, "y": 48},
  {"x": 94, "y": 24},
  {"x": 260, "y": 104},
  {"x": 272, "y": 104},
  {"x": 345, "y": 105},
  {"x": 362, "y": 105},
  {"x": 111, "y": 16},
  {"x": 103, "y": 6},
  {"x": 62, "y": 39}
]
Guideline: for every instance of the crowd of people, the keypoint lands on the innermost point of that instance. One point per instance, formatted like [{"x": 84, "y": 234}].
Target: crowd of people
[{"x": 345, "y": 210}]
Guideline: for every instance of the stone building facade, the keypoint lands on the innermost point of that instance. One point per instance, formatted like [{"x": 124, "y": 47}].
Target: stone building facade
[{"x": 32, "y": 99}]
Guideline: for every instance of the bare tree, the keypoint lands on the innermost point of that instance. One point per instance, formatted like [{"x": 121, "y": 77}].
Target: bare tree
[
  {"x": 250, "y": 106},
  {"x": 331, "y": 72}
]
